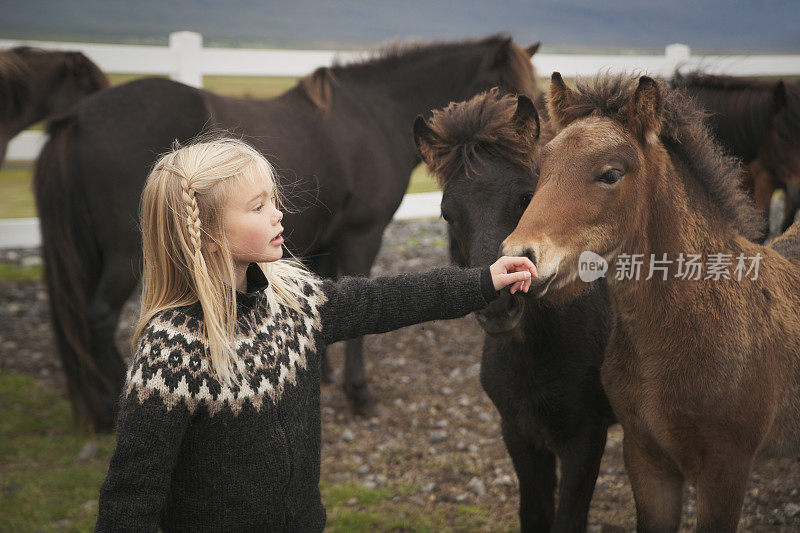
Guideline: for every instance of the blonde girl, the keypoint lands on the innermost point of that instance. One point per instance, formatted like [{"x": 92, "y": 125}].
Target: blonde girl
[{"x": 219, "y": 420}]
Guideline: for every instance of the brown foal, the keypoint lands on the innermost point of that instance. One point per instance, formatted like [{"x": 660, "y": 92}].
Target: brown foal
[{"x": 702, "y": 371}]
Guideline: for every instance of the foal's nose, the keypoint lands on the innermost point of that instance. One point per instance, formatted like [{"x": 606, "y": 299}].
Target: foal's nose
[
  {"x": 530, "y": 254},
  {"x": 516, "y": 250}
]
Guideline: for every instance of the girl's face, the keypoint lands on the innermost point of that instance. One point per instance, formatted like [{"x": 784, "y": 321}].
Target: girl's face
[{"x": 253, "y": 223}]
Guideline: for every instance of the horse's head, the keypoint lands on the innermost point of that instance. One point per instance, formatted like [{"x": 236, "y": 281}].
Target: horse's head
[
  {"x": 594, "y": 178},
  {"x": 481, "y": 152},
  {"x": 35, "y": 84},
  {"x": 780, "y": 154},
  {"x": 503, "y": 63}
]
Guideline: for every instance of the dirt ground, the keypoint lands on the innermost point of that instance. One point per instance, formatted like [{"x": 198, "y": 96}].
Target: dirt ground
[{"x": 434, "y": 427}]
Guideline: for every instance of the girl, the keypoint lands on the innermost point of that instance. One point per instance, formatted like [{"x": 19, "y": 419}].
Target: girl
[{"x": 219, "y": 421}]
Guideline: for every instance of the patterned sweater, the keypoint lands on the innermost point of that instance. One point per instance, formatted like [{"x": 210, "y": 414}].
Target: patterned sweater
[{"x": 192, "y": 455}]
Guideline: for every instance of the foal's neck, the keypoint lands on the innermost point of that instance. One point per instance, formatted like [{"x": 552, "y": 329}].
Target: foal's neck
[{"x": 681, "y": 222}]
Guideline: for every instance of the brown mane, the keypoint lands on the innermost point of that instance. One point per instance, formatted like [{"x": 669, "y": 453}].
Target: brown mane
[
  {"x": 515, "y": 71},
  {"x": 685, "y": 133},
  {"x": 464, "y": 132},
  {"x": 14, "y": 81}
]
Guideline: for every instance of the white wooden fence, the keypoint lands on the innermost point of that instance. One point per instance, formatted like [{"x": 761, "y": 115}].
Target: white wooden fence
[{"x": 187, "y": 61}]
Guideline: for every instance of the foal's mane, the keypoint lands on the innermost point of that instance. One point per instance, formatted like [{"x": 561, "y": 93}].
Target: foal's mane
[
  {"x": 515, "y": 71},
  {"x": 685, "y": 134},
  {"x": 464, "y": 132}
]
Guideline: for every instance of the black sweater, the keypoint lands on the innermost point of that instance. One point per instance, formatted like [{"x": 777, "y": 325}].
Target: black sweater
[{"x": 192, "y": 455}]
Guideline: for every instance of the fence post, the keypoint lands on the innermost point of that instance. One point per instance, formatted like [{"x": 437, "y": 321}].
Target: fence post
[
  {"x": 676, "y": 55},
  {"x": 186, "y": 47}
]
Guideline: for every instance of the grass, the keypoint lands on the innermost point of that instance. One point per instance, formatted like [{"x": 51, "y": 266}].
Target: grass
[
  {"x": 9, "y": 272},
  {"x": 16, "y": 193},
  {"x": 45, "y": 487}
]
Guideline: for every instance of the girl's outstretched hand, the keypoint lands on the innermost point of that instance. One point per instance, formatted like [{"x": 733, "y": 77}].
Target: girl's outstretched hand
[{"x": 517, "y": 270}]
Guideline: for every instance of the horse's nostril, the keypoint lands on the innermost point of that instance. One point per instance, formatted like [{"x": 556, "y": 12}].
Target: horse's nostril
[{"x": 530, "y": 255}]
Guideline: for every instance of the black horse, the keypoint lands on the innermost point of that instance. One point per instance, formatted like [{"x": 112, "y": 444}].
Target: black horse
[
  {"x": 541, "y": 360},
  {"x": 35, "y": 84},
  {"x": 758, "y": 122},
  {"x": 339, "y": 141}
]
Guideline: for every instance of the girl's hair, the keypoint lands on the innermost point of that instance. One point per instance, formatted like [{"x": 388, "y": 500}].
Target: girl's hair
[{"x": 181, "y": 213}]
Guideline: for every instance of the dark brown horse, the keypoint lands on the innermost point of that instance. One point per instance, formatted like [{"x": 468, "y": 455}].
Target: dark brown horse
[
  {"x": 340, "y": 143},
  {"x": 758, "y": 122},
  {"x": 36, "y": 84},
  {"x": 541, "y": 360},
  {"x": 703, "y": 364}
]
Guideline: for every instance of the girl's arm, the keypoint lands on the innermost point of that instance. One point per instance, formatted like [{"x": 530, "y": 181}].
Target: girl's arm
[
  {"x": 361, "y": 306},
  {"x": 149, "y": 435}
]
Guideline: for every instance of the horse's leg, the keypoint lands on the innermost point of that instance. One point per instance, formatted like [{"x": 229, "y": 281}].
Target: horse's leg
[
  {"x": 356, "y": 253},
  {"x": 657, "y": 489},
  {"x": 721, "y": 487},
  {"x": 117, "y": 281},
  {"x": 580, "y": 464},
  {"x": 536, "y": 472},
  {"x": 325, "y": 266}
]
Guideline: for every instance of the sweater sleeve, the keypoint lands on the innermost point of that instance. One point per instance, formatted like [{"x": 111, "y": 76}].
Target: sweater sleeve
[
  {"x": 360, "y": 306},
  {"x": 149, "y": 436}
]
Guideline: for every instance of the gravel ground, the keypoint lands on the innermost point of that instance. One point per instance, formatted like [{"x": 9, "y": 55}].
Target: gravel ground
[{"x": 434, "y": 429}]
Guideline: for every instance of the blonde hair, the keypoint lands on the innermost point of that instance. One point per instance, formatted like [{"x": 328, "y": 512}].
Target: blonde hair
[{"x": 181, "y": 213}]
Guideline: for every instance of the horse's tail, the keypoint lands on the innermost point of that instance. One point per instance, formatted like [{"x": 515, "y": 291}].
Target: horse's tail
[{"x": 72, "y": 267}]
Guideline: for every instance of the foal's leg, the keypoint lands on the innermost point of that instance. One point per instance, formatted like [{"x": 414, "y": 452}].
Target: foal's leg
[
  {"x": 657, "y": 488},
  {"x": 580, "y": 463},
  {"x": 536, "y": 471},
  {"x": 721, "y": 487},
  {"x": 356, "y": 253}
]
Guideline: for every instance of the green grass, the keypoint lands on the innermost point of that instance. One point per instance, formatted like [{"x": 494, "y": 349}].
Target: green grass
[
  {"x": 10, "y": 272},
  {"x": 43, "y": 484},
  {"x": 16, "y": 193}
]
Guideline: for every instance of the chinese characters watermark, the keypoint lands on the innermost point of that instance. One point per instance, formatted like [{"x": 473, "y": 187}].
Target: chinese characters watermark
[{"x": 690, "y": 267}]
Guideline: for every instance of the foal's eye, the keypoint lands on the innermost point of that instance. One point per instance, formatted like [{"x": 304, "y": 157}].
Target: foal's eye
[
  {"x": 445, "y": 217},
  {"x": 610, "y": 176},
  {"x": 525, "y": 199}
]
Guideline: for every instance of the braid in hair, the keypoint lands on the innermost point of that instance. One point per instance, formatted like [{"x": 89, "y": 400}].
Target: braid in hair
[{"x": 192, "y": 213}]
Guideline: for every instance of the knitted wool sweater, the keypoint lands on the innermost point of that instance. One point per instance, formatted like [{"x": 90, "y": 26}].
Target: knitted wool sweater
[{"x": 192, "y": 455}]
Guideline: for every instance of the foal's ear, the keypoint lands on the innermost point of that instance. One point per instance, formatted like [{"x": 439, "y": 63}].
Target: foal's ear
[
  {"x": 562, "y": 98},
  {"x": 423, "y": 137},
  {"x": 778, "y": 98},
  {"x": 532, "y": 49},
  {"x": 646, "y": 110},
  {"x": 526, "y": 119}
]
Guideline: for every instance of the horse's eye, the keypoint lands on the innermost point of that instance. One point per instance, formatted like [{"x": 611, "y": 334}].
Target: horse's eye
[
  {"x": 445, "y": 217},
  {"x": 525, "y": 199},
  {"x": 610, "y": 176}
]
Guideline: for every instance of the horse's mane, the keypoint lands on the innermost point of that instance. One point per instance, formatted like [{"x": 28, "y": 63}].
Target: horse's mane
[
  {"x": 743, "y": 109},
  {"x": 14, "y": 81},
  {"x": 464, "y": 132},
  {"x": 515, "y": 71},
  {"x": 685, "y": 134}
]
